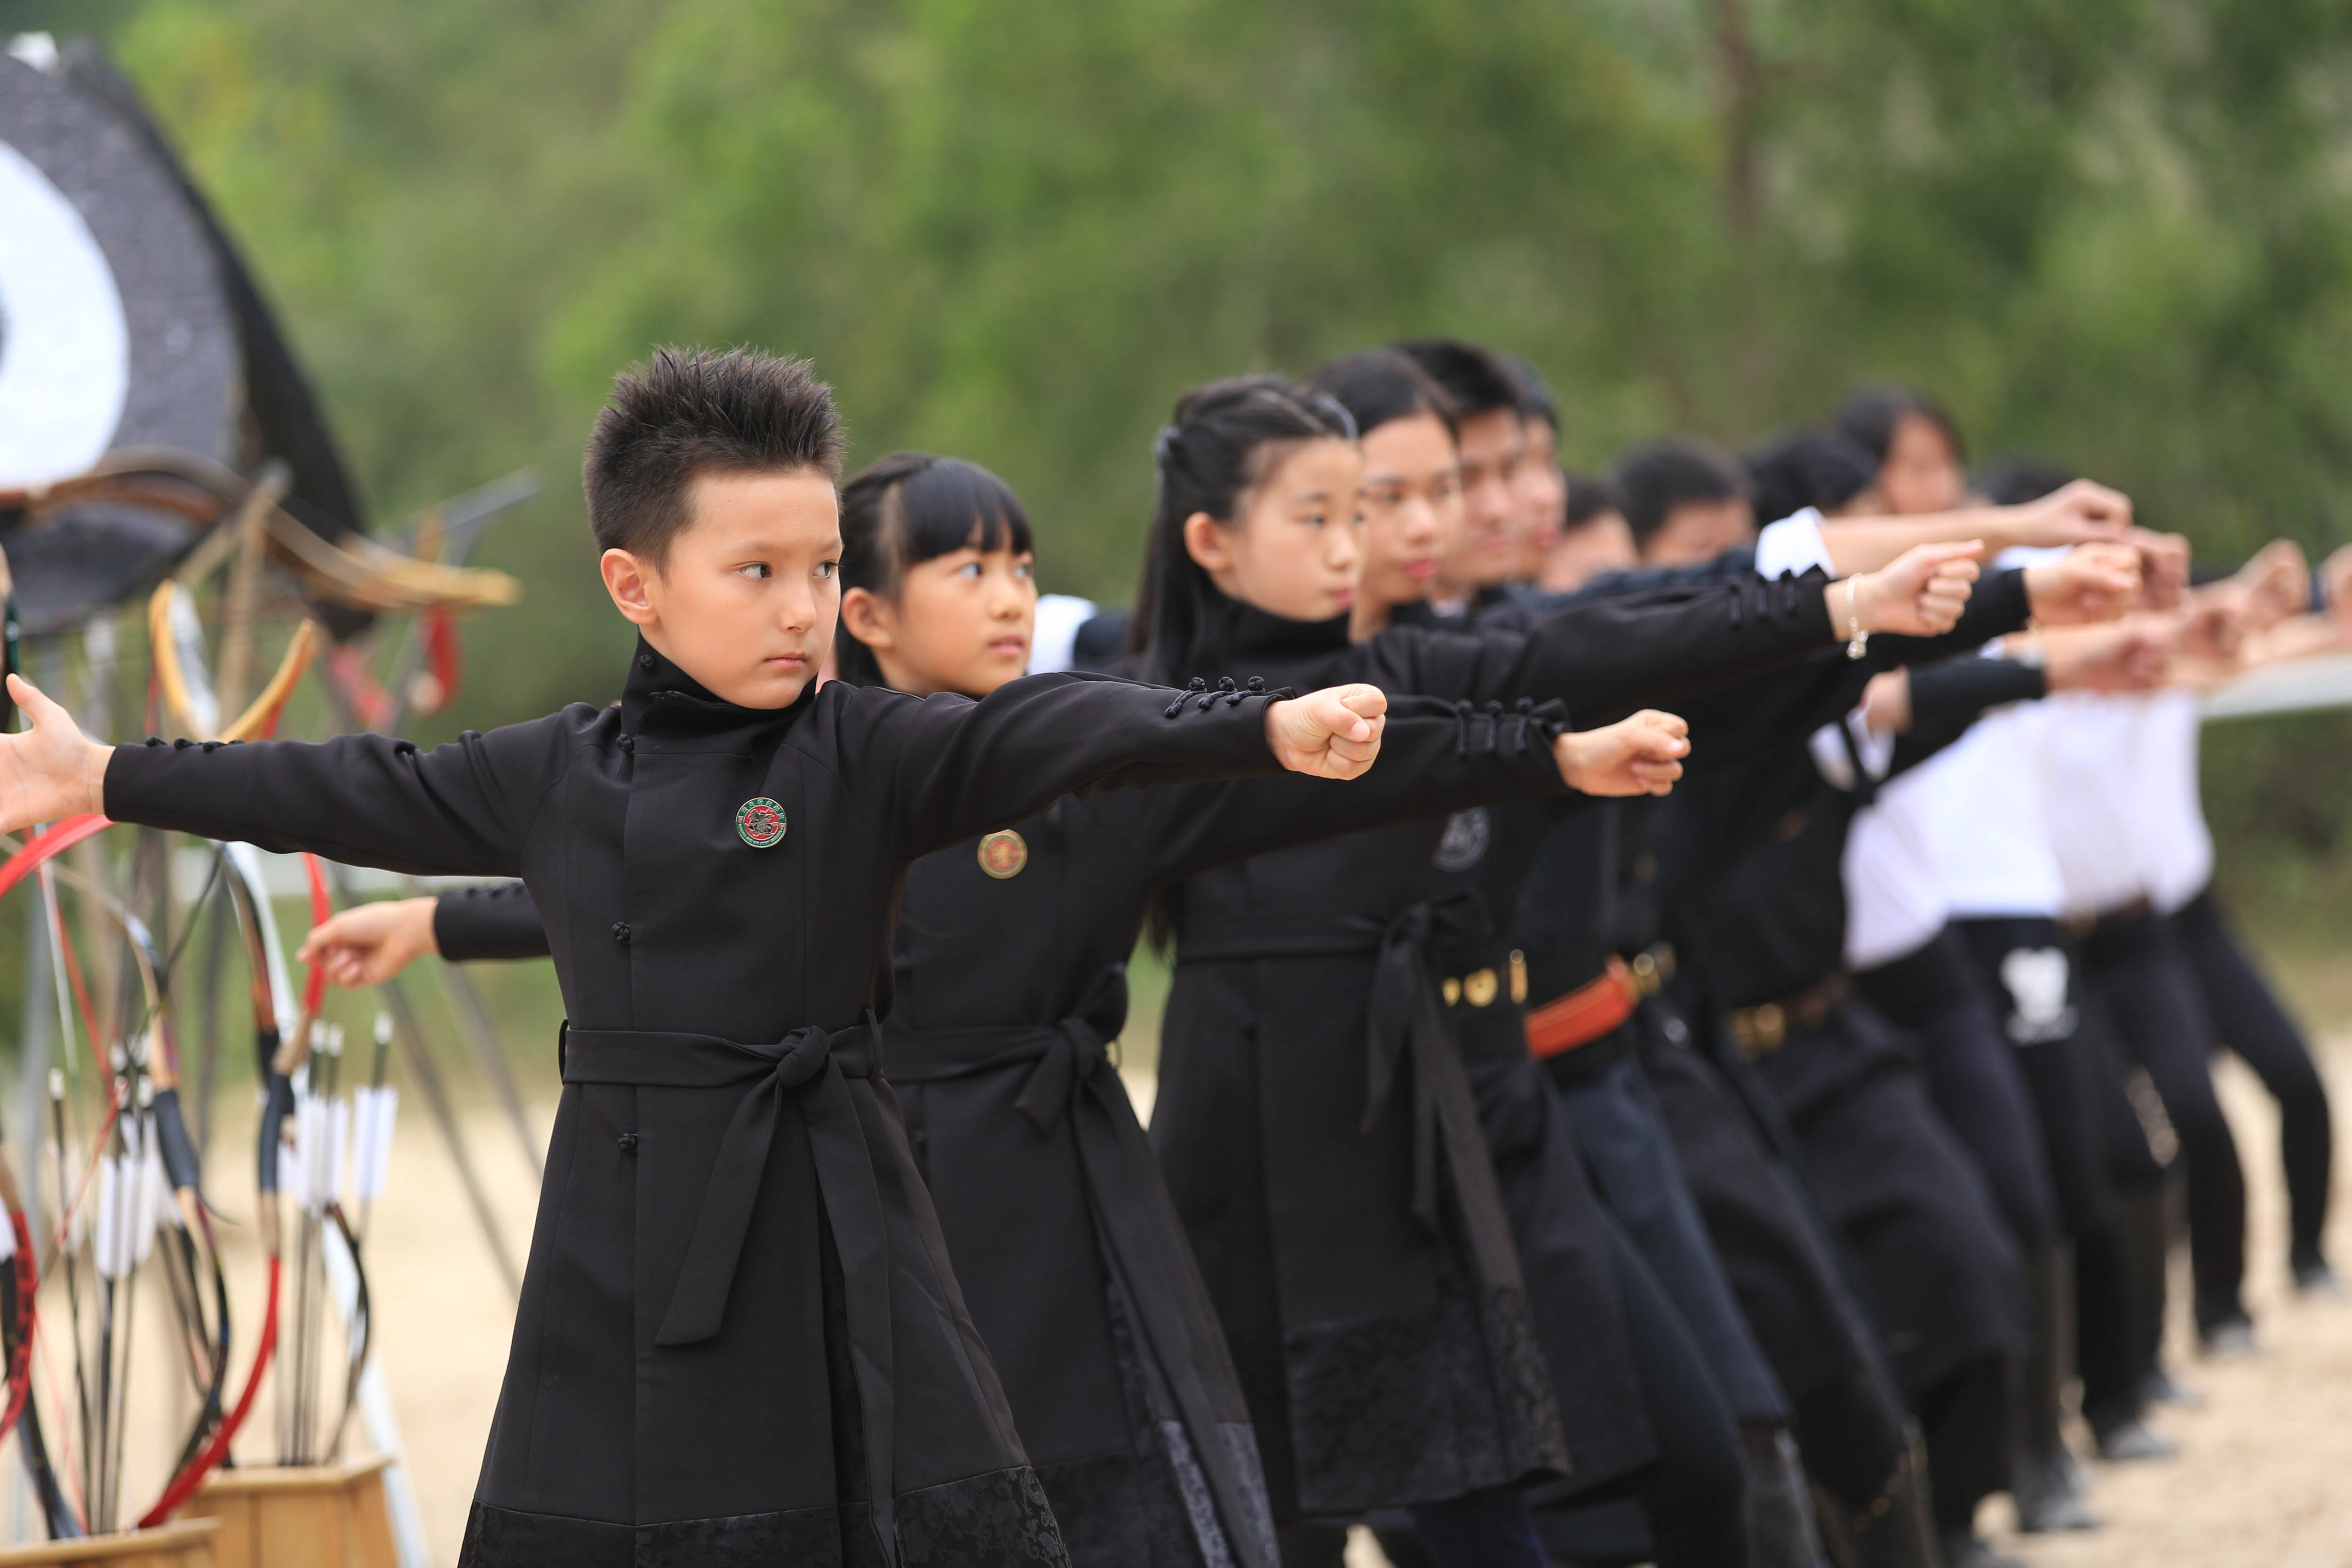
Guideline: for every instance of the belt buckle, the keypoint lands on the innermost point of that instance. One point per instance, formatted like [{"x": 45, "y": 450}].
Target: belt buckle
[{"x": 1759, "y": 1031}]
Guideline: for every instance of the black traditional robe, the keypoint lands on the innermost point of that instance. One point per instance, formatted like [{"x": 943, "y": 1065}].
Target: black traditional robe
[
  {"x": 740, "y": 1338},
  {"x": 1009, "y": 961},
  {"x": 1320, "y": 1136}
]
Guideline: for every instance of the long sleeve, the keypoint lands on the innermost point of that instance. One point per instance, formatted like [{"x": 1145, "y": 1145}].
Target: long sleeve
[
  {"x": 1947, "y": 698},
  {"x": 1436, "y": 759},
  {"x": 464, "y": 808},
  {"x": 934, "y": 771},
  {"x": 499, "y": 922},
  {"x": 1610, "y": 653}
]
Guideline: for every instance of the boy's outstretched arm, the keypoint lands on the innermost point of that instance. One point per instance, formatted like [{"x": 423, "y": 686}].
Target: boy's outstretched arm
[
  {"x": 367, "y": 800},
  {"x": 939, "y": 770}
]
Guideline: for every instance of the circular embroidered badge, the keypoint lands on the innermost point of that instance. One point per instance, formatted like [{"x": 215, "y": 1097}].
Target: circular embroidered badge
[
  {"x": 760, "y": 821},
  {"x": 1003, "y": 855},
  {"x": 1464, "y": 844}
]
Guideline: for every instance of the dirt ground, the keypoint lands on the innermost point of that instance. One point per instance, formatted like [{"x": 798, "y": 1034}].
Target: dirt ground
[{"x": 2260, "y": 1478}]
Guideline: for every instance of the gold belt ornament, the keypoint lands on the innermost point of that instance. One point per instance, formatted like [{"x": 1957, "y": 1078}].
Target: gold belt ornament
[{"x": 1481, "y": 987}]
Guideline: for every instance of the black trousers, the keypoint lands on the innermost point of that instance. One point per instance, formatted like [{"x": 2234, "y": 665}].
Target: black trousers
[
  {"x": 1977, "y": 1078},
  {"x": 1694, "y": 1497},
  {"x": 2246, "y": 1016},
  {"x": 2152, "y": 994},
  {"x": 1786, "y": 1267},
  {"x": 2087, "y": 1126},
  {"x": 1946, "y": 1282}
]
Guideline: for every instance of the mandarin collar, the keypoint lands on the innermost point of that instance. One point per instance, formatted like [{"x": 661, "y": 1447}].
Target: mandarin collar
[
  {"x": 661, "y": 699},
  {"x": 1238, "y": 633}
]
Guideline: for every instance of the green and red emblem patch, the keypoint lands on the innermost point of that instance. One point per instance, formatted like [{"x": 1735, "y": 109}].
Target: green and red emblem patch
[{"x": 760, "y": 821}]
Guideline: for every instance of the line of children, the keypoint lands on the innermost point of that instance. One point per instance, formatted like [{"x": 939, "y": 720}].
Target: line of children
[{"x": 1524, "y": 1178}]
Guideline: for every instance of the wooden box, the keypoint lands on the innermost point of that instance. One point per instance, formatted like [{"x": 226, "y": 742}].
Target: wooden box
[
  {"x": 182, "y": 1543},
  {"x": 316, "y": 1516}
]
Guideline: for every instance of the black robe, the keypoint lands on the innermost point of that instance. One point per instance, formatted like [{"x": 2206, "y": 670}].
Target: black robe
[
  {"x": 740, "y": 1339},
  {"x": 1009, "y": 963},
  {"x": 1486, "y": 858},
  {"x": 1320, "y": 1136}
]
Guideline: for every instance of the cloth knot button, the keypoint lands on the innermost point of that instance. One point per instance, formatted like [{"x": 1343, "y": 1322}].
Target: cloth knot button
[
  {"x": 628, "y": 1142},
  {"x": 620, "y": 931},
  {"x": 760, "y": 822},
  {"x": 644, "y": 661},
  {"x": 627, "y": 743}
]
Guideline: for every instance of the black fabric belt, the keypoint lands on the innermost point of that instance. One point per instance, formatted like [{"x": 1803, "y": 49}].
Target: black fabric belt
[
  {"x": 1141, "y": 1235},
  {"x": 816, "y": 1066},
  {"x": 1405, "y": 1017}
]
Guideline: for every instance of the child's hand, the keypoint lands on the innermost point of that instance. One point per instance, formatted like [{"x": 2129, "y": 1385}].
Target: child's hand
[
  {"x": 49, "y": 771},
  {"x": 1640, "y": 755},
  {"x": 2073, "y": 514},
  {"x": 367, "y": 944},
  {"x": 1920, "y": 593},
  {"x": 2125, "y": 656},
  {"x": 2089, "y": 583},
  {"x": 1333, "y": 733}
]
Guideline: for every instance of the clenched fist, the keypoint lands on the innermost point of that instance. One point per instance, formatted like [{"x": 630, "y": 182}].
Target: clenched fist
[
  {"x": 2089, "y": 583},
  {"x": 1638, "y": 755},
  {"x": 1333, "y": 733},
  {"x": 1920, "y": 593}
]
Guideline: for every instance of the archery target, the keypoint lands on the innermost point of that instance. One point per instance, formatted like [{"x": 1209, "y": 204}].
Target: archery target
[
  {"x": 65, "y": 356},
  {"x": 114, "y": 328}
]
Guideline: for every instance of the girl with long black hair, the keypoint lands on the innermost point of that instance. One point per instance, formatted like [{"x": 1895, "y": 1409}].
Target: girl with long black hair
[{"x": 1008, "y": 989}]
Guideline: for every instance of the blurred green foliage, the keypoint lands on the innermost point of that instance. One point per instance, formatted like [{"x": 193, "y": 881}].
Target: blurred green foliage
[{"x": 2113, "y": 231}]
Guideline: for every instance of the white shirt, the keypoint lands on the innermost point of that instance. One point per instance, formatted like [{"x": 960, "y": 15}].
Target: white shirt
[
  {"x": 1986, "y": 817},
  {"x": 1793, "y": 545},
  {"x": 1895, "y": 897},
  {"x": 1059, "y": 616},
  {"x": 2092, "y": 762},
  {"x": 2176, "y": 848}
]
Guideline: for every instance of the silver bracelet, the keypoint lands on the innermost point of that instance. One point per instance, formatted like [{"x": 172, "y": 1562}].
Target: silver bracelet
[{"x": 1857, "y": 641}]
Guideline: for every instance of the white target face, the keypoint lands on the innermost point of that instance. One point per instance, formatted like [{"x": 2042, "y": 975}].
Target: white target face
[{"x": 65, "y": 351}]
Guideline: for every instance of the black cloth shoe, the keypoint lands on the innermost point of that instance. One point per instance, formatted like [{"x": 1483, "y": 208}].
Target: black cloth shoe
[
  {"x": 2049, "y": 1488},
  {"x": 2131, "y": 1441},
  {"x": 1966, "y": 1549}
]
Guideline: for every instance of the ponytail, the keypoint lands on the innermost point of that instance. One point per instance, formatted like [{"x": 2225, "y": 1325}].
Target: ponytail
[{"x": 1223, "y": 441}]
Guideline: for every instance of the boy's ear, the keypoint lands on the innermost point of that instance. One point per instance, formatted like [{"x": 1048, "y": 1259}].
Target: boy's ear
[
  {"x": 628, "y": 580},
  {"x": 1205, "y": 543},
  {"x": 867, "y": 617}
]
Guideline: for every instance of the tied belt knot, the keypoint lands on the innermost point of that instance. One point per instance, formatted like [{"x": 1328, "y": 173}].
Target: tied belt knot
[
  {"x": 1069, "y": 1053},
  {"x": 815, "y": 1067},
  {"x": 814, "y": 1064},
  {"x": 1405, "y": 1017}
]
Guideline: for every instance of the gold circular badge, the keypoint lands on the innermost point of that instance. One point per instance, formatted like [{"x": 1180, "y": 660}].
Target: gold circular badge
[{"x": 1003, "y": 854}]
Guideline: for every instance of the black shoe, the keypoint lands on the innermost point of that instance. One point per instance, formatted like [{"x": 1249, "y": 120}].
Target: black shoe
[
  {"x": 2050, "y": 1490},
  {"x": 2312, "y": 1277},
  {"x": 2231, "y": 1338},
  {"x": 2049, "y": 1496},
  {"x": 1966, "y": 1549},
  {"x": 2160, "y": 1387},
  {"x": 2132, "y": 1441}
]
